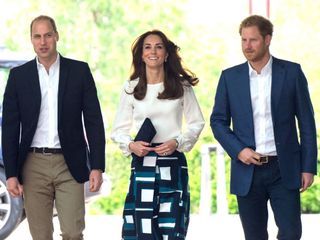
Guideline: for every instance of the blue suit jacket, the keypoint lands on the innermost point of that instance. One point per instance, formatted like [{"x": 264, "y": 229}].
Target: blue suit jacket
[
  {"x": 290, "y": 101},
  {"x": 77, "y": 103}
]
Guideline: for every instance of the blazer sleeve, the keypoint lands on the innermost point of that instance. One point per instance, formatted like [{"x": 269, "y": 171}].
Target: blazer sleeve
[
  {"x": 10, "y": 128},
  {"x": 306, "y": 123},
  {"x": 93, "y": 122},
  {"x": 220, "y": 120}
]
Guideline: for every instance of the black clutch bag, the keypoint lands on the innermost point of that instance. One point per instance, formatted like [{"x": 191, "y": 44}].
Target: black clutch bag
[{"x": 146, "y": 132}]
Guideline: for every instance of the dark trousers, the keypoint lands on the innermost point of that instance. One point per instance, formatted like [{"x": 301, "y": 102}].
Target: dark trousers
[{"x": 285, "y": 203}]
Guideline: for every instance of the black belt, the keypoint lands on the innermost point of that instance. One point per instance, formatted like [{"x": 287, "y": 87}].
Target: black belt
[
  {"x": 266, "y": 159},
  {"x": 46, "y": 150}
]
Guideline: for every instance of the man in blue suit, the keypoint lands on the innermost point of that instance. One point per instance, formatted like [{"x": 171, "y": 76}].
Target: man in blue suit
[
  {"x": 52, "y": 135},
  {"x": 258, "y": 105}
]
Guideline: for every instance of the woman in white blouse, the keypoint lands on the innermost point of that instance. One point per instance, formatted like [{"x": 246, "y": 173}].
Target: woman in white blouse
[{"x": 158, "y": 202}]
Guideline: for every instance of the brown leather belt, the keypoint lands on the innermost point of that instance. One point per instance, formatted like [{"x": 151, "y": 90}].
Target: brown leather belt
[
  {"x": 46, "y": 150},
  {"x": 266, "y": 159}
]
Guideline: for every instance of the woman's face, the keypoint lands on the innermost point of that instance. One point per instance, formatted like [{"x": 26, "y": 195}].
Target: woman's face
[{"x": 154, "y": 53}]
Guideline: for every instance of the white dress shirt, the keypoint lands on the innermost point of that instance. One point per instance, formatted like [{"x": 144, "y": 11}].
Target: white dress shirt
[
  {"x": 46, "y": 134},
  {"x": 260, "y": 89},
  {"x": 166, "y": 116}
]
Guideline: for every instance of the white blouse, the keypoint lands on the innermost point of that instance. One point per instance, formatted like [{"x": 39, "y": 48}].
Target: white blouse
[{"x": 166, "y": 116}]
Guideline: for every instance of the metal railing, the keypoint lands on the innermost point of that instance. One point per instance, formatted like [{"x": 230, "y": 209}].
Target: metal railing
[{"x": 206, "y": 183}]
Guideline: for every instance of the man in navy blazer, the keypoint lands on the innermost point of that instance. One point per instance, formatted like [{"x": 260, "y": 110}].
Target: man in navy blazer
[
  {"x": 258, "y": 106},
  {"x": 52, "y": 135}
]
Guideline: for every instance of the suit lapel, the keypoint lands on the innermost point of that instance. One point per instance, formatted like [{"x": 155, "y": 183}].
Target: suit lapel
[
  {"x": 278, "y": 75},
  {"x": 244, "y": 89},
  {"x": 243, "y": 101}
]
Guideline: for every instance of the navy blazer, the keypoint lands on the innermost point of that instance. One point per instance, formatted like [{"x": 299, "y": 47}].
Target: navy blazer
[
  {"x": 290, "y": 101},
  {"x": 77, "y": 104}
]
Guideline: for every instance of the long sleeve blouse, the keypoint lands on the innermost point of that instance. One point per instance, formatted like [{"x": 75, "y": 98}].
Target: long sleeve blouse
[{"x": 166, "y": 116}]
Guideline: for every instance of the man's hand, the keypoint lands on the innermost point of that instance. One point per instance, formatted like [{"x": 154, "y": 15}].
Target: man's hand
[
  {"x": 306, "y": 181},
  {"x": 248, "y": 156},
  {"x": 14, "y": 187},
  {"x": 95, "y": 180}
]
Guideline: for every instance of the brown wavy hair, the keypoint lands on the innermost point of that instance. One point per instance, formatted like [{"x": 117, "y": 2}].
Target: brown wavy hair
[{"x": 175, "y": 75}]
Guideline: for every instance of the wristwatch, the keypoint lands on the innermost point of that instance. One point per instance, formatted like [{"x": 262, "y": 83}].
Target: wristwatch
[{"x": 177, "y": 143}]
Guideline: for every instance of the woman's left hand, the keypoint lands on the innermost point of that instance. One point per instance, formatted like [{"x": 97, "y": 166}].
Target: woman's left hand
[{"x": 166, "y": 148}]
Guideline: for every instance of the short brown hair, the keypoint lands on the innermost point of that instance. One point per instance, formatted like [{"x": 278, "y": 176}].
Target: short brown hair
[
  {"x": 46, "y": 18},
  {"x": 264, "y": 25}
]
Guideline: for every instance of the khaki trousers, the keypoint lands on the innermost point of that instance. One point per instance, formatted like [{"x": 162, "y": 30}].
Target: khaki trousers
[{"x": 47, "y": 181}]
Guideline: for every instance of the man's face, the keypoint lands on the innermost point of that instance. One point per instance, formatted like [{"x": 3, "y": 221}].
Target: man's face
[
  {"x": 254, "y": 46},
  {"x": 44, "y": 40}
]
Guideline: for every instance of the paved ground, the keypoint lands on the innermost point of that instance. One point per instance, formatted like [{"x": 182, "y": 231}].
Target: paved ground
[{"x": 108, "y": 227}]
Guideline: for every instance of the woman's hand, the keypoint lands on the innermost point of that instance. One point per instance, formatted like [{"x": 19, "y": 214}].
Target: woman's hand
[
  {"x": 140, "y": 148},
  {"x": 166, "y": 148}
]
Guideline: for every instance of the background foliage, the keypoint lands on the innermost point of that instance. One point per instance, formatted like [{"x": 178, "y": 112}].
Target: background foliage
[{"x": 101, "y": 32}]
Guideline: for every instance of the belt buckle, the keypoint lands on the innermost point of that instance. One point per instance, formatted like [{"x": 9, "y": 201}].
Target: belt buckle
[
  {"x": 45, "y": 153},
  {"x": 264, "y": 159}
]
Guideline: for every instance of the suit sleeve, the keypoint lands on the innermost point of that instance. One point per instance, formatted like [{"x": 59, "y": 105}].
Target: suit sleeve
[
  {"x": 220, "y": 121},
  {"x": 307, "y": 127},
  {"x": 10, "y": 128},
  {"x": 93, "y": 122}
]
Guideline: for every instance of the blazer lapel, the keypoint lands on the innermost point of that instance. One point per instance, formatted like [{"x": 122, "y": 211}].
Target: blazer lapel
[
  {"x": 34, "y": 84},
  {"x": 62, "y": 83},
  {"x": 278, "y": 74},
  {"x": 244, "y": 90}
]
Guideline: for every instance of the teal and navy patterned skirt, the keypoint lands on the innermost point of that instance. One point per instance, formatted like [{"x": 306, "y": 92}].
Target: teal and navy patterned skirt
[{"x": 158, "y": 202}]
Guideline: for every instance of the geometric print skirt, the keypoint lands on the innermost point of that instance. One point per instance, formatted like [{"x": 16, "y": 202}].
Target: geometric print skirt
[{"x": 157, "y": 205}]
